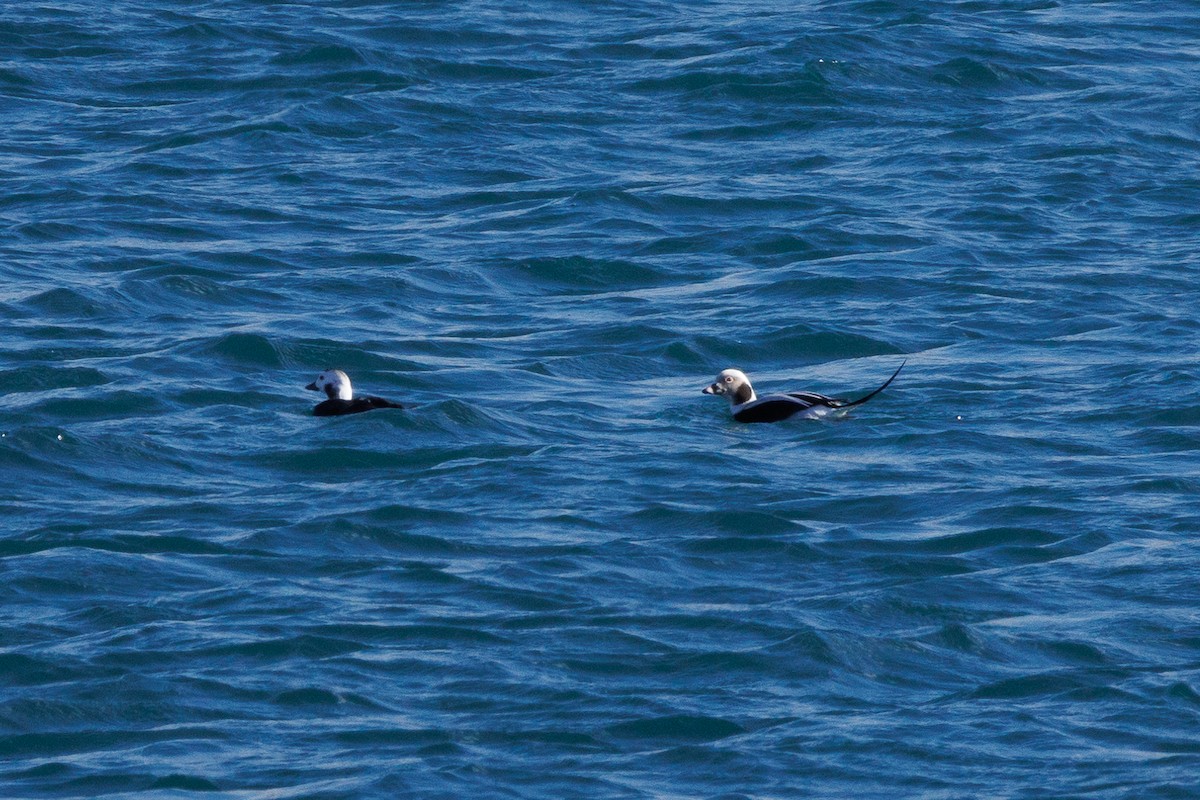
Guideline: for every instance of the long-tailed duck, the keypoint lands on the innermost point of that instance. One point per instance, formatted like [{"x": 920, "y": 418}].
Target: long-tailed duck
[
  {"x": 341, "y": 400},
  {"x": 748, "y": 407}
]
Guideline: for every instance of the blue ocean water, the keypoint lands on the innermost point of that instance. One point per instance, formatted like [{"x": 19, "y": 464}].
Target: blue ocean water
[{"x": 564, "y": 572}]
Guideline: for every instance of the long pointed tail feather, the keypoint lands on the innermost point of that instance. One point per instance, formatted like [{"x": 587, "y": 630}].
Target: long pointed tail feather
[{"x": 886, "y": 383}]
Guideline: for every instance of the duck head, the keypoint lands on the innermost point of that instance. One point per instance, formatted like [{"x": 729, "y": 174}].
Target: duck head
[
  {"x": 734, "y": 384},
  {"x": 334, "y": 383}
]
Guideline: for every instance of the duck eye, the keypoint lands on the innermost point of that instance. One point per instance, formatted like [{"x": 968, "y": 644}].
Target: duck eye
[{"x": 729, "y": 379}]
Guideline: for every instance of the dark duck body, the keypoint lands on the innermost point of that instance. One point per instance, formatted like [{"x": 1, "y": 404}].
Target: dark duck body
[
  {"x": 340, "y": 396},
  {"x": 748, "y": 407}
]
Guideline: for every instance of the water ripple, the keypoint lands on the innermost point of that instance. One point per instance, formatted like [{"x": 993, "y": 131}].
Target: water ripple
[{"x": 561, "y": 570}]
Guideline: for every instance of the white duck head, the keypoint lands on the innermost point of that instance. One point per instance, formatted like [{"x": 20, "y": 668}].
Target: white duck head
[
  {"x": 334, "y": 383},
  {"x": 734, "y": 384}
]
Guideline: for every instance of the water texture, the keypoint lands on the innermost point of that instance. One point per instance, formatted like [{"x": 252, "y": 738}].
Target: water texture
[{"x": 563, "y": 572}]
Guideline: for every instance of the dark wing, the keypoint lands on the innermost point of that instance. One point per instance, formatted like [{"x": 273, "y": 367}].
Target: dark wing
[
  {"x": 814, "y": 399},
  {"x": 377, "y": 402},
  {"x": 772, "y": 408},
  {"x": 335, "y": 407}
]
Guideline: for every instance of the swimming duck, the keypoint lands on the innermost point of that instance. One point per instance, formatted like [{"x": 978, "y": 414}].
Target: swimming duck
[
  {"x": 749, "y": 407},
  {"x": 341, "y": 400}
]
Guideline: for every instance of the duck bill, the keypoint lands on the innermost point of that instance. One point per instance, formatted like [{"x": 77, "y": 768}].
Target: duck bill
[
  {"x": 713, "y": 389},
  {"x": 312, "y": 387}
]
